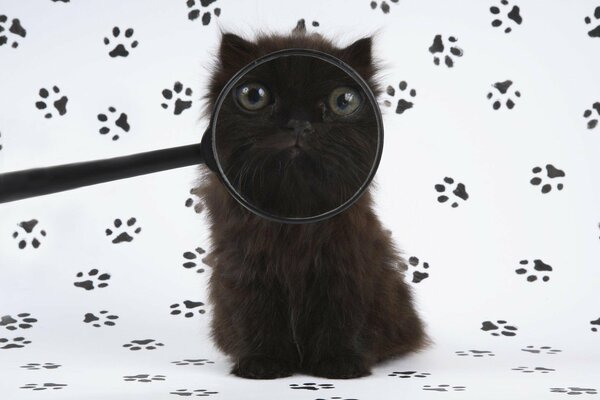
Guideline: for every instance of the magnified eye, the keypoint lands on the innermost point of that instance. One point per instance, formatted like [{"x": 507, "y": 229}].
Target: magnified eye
[
  {"x": 253, "y": 96},
  {"x": 344, "y": 100}
]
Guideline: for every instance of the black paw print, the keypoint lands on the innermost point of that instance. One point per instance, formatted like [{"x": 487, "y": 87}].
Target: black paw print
[
  {"x": 52, "y": 97},
  {"x": 418, "y": 268},
  {"x": 180, "y": 105},
  {"x": 595, "y": 32},
  {"x": 459, "y": 191},
  {"x": 15, "y": 29},
  {"x": 103, "y": 318},
  {"x": 120, "y": 50},
  {"x": 402, "y": 104},
  {"x": 445, "y": 388},
  {"x": 513, "y": 14},
  {"x": 502, "y": 88},
  {"x": 190, "y": 305},
  {"x": 301, "y": 25},
  {"x": 192, "y": 259},
  {"x": 474, "y": 353},
  {"x": 552, "y": 173},
  {"x": 124, "y": 236},
  {"x": 312, "y": 386},
  {"x": 43, "y": 386},
  {"x": 193, "y": 392},
  {"x": 143, "y": 378},
  {"x": 94, "y": 276},
  {"x": 410, "y": 374},
  {"x": 29, "y": 233},
  {"x": 22, "y": 321},
  {"x": 438, "y": 47},
  {"x": 37, "y": 366},
  {"x": 538, "y": 265},
  {"x": 528, "y": 370},
  {"x": 594, "y": 324},
  {"x": 194, "y": 11},
  {"x": 116, "y": 119},
  {"x": 14, "y": 343},
  {"x": 541, "y": 349},
  {"x": 385, "y": 7},
  {"x": 505, "y": 330},
  {"x": 574, "y": 390},
  {"x": 145, "y": 344},
  {"x": 194, "y": 202},
  {"x": 592, "y": 120},
  {"x": 200, "y": 361}
]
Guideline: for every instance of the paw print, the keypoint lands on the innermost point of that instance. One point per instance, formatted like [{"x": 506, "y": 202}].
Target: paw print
[
  {"x": 595, "y": 32},
  {"x": 513, "y": 14},
  {"x": 145, "y": 344},
  {"x": 445, "y": 388},
  {"x": 43, "y": 386},
  {"x": 22, "y": 321},
  {"x": 474, "y": 353},
  {"x": 14, "y": 343},
  {"x": 194, "y": 11},
  {"x": 124, "y": 236},
  {"x": 409, "y": 374},
  {"x": 438, "y": 47},
  {"x": 385, "y": 7},
  {"x": 14, "y": 31},
  {"x": 594, "y": 324},
  {"x": 180, "y": 105},
  {"x": 402, "y": 104},
  {"x": 200, "y": 361},
  {"x": 574, "y": 390},
  {"x": 194, "y": 202},
  {"x": 192, "y": 392},
  {"x": 502, "y": 88},
  {"x": 552, "y": 173},
  {"x": 37, "y": 366},
  {"x": 592, "y": 120},
  {"x": 119, "y": 122},
  {"x": 120, "y": 50},
  {"x": 190, "y": 305},
  {"x": 301, "y": 25},
  {"x": 538, "y": 265},
  {"x": 419, "y": 272},
  {"x": 542, "y": 349},
  {"x": 527, "y": 370},
  {"x": 103, "y": 318},
  {"x": 143, "y": 378},
  {"x": 29, "y": 233},
  {"x": 192, "y": 258},
  {"x": 505, "y": 330},
  {"x": 312, "y": 386},
  {"x": 459, "y": 191},
  {"x": 52, "y": 98},
  {"x": 94, "y": 276}
]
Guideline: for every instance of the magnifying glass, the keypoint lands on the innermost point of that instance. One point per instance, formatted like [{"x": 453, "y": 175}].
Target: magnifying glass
[{"x": 301, "y": 152}]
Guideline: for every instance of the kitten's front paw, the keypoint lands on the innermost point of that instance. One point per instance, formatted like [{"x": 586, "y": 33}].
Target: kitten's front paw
[
  {"x": 343, "y": 367},
  {"x": 259, "y": 367}
]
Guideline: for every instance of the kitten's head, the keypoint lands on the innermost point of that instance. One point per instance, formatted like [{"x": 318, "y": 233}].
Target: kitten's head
[{"x": 296, "y": 136}]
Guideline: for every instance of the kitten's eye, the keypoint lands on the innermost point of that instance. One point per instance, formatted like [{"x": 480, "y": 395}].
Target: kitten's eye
[
  {"x": 344, "y": 100},
  {"x": 252, "y": 96}
]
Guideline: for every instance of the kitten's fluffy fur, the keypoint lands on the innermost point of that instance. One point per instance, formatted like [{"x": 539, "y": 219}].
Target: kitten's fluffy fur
[{"x": 325, "y": 298}]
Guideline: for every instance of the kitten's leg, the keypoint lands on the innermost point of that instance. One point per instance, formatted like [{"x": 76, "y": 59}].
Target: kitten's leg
[{"x": 263, "y": 348}]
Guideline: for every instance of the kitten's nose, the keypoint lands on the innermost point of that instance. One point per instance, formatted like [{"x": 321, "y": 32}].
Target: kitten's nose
[{"x": 301, "y": 128}]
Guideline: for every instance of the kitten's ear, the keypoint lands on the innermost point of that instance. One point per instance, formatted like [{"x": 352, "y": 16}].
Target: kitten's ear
[
  {"x": 235, "y": 50},
  {"x": 359, "y": 54}
]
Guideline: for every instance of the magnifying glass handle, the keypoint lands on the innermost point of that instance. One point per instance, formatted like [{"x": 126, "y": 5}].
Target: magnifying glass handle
[{"x": 40, "y": 181}]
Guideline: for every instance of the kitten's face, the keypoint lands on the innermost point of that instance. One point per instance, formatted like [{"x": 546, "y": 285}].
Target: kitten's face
[{"x": 296, "y": 136}]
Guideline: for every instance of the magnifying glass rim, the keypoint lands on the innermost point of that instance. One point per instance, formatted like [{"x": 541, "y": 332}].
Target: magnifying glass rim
[{"x": 288, "y": 53}]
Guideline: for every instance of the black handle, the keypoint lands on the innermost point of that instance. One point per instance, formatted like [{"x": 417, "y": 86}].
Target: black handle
[{"x": 39, "y": 181}]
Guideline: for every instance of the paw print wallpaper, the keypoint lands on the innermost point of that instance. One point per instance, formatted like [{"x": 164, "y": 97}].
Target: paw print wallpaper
[{"x": 489, "y": 185}]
